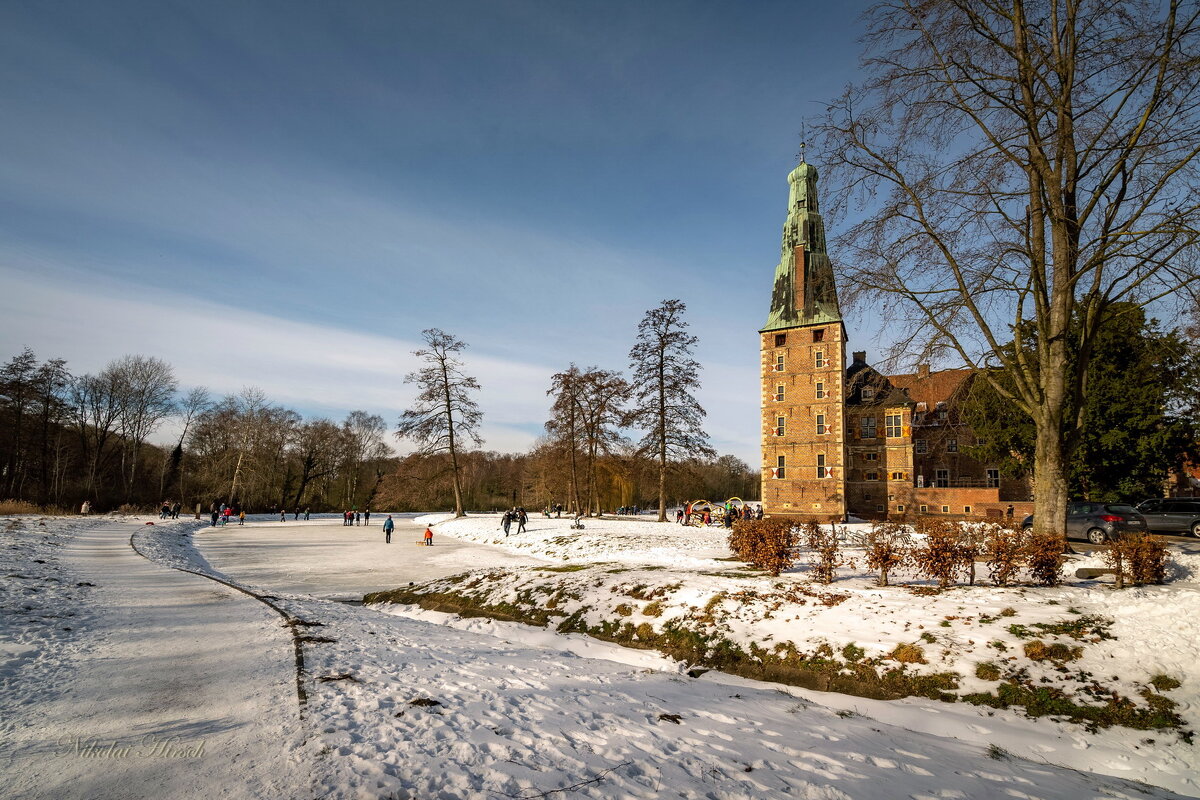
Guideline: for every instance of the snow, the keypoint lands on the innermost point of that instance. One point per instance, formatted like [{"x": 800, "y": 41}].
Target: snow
[{"x": 520, "y": 710}]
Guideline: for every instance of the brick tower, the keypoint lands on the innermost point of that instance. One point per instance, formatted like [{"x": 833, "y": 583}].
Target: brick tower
[{"x": 803, "y": 349}]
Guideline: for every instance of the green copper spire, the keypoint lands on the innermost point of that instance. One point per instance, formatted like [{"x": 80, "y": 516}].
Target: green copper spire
[{"x": 804, "y": 292}]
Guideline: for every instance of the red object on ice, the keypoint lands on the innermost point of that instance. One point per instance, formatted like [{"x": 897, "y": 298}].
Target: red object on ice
[{"x": 149, "y": 523}]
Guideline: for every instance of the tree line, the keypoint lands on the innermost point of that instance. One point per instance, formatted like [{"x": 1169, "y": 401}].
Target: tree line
[
  {"x": 585, "y": 459},
  {"x": 68, "y": 438}
]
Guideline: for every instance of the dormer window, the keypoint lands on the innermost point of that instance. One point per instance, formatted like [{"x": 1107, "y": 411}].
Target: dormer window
[
  {"x": 819, "y": 335},
  {"x": 780, "y": 339},
  {"x": 868, "y": 393}
]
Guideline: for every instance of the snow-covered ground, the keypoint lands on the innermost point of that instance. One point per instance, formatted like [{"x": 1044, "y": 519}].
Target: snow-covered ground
[{"x": 503, "y": 710}]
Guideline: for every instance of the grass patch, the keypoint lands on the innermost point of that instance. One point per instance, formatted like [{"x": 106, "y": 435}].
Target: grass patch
[
  {"x": 564, "y": 568},
  {"x": 987, "y": 671},
  {"x": 1057, "y": 653},
  {"x": 654, "y": 609},
  {"x": 1089, "y": 627},
  {"x": 909, "y": 654},
  {"x": 1042, "y": 701},
  {"x": 853, "y": 652},
  {"x": 1164, "y": 683}
]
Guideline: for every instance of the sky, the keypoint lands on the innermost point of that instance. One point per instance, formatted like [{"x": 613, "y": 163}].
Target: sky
[{"x": 285, "y": 195}]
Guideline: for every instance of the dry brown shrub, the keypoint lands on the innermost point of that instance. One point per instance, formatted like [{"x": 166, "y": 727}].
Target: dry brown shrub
[
  {"x": 824, "y": 552},
  {"x": 18, "y": 507},
  {"x": 941, "y": 555},
  {"x": 1058, "y": 653},
  {"x": 1137, "y": 558},
  {"x": 1004, "y": 549},
  {"x": 769, "y": 544},
  {"x": 1043, "y": 557},
  {"x": 909, "y": 654},
  {"x": 887, "y": 545}
]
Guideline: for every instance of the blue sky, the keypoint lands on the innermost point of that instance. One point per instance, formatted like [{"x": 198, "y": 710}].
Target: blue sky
[{"x": 285, "y": 194}]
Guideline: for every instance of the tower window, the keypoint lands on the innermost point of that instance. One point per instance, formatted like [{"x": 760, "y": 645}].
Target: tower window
[
  {"x": 820, "y": 424},
  {"x": 779, "y": 393},
  {"x": 780, "y": 422},
  {"x": 779, "y": 362},
  {"x": 780, "y": 464},
  {"x": 780, "y": 339},
  {"x": 821, "y": 470},
  {"x": 820, "y": 389},
  {"x": 819, "y": 335},
  {"x": 820, "y": 358},
  {"x": 893, "y": 425}
]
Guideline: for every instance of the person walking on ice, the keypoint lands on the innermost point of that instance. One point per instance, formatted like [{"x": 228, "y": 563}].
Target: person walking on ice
[
  {"x": 428, "y": 537},
  {"x": 388, "y": 527}
]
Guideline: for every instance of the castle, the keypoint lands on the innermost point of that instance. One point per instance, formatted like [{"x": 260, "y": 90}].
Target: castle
[{"x": 840, "y": 438}]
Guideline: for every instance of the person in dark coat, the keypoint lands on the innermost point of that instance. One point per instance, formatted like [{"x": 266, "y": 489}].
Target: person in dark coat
[
  {"x": 522, "y": 518},
  {"x": 506, "y": 521}
]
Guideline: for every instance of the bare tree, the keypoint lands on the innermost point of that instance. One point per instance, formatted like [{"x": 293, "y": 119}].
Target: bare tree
[
  {"x": 664, "y": 377},
  {"x": 189, "y": 408},
  {"x": 444, "y": 411},
  {"x": 565, "y": 425},
  {"x": 364, "y": 446},
  {"x": 1022, "y": 167},
  {"x": 146, "y": 394},
  {"x": 601, "y": 399},
  {"x": 95, "y": 409}
]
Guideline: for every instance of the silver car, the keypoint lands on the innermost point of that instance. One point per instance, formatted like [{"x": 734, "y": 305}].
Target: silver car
[
  {"x": 1172, "y": 515},
  {"x": 1099, "y": 522}
]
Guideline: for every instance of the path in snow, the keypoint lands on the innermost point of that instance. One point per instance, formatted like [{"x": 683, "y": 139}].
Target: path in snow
[
  {"x": 330, "y": 560},
  {"x": 175, "y": 658}
]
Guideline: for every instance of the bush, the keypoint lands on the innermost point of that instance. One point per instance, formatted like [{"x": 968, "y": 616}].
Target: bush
[
  {"x": 909, "y": 654},
  {"x": 769, "y": 544},
  {"x": 1004, "y": 549},
  {"x": 1137, "y": 558},
  {"x": 8, "y": 507},
  {"x": 1043, "y": 557},
  {"x": 1058, "y": 653},
  {"x": 942, "y": 554},
  {"x": 887, "y": 545},
  {"x": 824, "y": 554},
  {"x": 987, "y": 671}
]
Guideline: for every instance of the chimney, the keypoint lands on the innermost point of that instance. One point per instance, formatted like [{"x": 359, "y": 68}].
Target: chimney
[
  {"x": 860, "y": 356},
  {"x": 922, "y": 370}
]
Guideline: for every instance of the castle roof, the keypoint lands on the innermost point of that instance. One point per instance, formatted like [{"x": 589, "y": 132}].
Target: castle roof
[{"x": 932, "y": 388}]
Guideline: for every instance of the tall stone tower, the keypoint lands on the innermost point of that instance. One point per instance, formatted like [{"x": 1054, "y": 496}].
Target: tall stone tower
[{"x": 803, "y": 348}]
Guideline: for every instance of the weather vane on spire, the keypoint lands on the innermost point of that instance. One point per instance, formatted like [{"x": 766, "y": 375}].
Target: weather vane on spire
[{"x": 800, "y": 155}]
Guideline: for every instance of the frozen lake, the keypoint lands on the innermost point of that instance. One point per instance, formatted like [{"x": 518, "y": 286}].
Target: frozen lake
[{"x": 324, "y": 558}]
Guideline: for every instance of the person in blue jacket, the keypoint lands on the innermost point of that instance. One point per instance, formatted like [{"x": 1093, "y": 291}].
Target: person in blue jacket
[{"x": 388, "y": 527}]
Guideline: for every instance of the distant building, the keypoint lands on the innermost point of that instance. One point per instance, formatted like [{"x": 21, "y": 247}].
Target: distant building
[{"x": 843, "y": 439}]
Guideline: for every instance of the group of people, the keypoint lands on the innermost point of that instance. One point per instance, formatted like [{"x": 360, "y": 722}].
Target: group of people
[
  {"x": 517, "y": 514},
  {"x": 220, "y": 515},
  {"x": 731, "y": 514},
  {"x": 355, "y": 517},
  {"x": 169, "y": 511},
  {"x": 629, "y": 511}
]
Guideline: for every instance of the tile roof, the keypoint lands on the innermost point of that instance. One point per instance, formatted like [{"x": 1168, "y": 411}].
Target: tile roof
[{"x": 933, "y": 388}]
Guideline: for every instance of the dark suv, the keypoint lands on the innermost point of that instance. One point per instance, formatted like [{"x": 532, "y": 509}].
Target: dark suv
[
  {"x": 1099, "y": 522},
  {"x": 1172, "y": 515}
]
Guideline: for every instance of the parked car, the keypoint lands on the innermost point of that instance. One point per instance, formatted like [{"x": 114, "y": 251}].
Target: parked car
[
  {"x": 1172, "y": 515},
  {"x": 1099, "y": 522}
]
